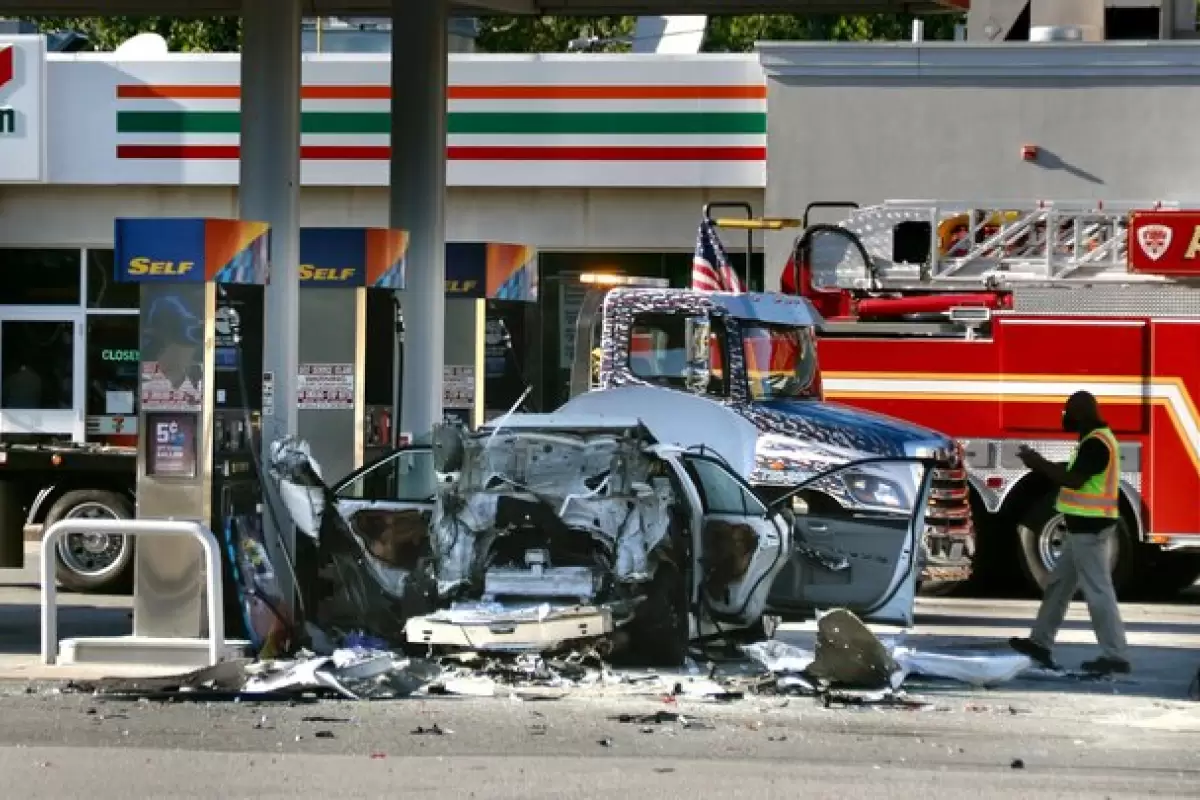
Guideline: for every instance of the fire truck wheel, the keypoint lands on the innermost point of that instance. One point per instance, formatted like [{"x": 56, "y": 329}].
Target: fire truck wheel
[
  {"x": 93, "y": 563},
  {"x": 1042, "y": 534}
]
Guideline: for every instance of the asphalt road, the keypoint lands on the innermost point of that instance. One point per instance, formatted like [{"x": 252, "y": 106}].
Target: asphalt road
[{"x": 1030, "y": 738}]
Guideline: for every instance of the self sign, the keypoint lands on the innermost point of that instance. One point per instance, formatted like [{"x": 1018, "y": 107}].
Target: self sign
[
  {"x": 145, "y": 266},
  {"x": 308, "y": 272},
  {"x": 460, "y": 287}
]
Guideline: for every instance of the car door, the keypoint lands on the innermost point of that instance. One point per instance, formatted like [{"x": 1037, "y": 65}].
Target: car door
[
  {"x": 742, "y": 545},
  {"x": 857, "y": 545},
  {"x": 388, "y": 504}
]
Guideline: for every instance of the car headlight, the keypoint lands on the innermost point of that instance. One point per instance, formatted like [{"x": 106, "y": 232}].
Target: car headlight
[{"x": 872, "y": 490}]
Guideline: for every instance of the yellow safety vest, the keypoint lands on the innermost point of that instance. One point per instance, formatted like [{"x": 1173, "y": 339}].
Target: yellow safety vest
[{"x": 1099, "y": 496}]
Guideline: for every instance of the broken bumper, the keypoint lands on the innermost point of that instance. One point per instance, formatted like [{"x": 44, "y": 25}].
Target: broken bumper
[{"x": 509, "y": 630}]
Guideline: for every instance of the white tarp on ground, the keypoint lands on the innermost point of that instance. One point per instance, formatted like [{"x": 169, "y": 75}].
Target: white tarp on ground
[{"x": 781, "y": 658}]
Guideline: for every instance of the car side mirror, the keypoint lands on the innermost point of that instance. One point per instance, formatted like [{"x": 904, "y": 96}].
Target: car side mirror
[{"x": 698, "y": 369}]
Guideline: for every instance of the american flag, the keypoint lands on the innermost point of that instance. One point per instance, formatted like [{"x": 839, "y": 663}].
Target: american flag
[{"x": 711, "y": 270}]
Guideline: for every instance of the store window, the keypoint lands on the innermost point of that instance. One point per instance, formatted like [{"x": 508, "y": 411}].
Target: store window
[
  {"x": 37, "y": 360},
  {"x": 112, "y": 374},
  {"x": 103, "y": 289},
  {"x": 42, "y": 277}
]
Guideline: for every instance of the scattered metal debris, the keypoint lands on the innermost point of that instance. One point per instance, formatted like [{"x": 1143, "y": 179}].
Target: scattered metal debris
[
  {"x": 849, "y": 667},
  {"x": 432, "y": 730},
  {"x": 661, "y": 718}
]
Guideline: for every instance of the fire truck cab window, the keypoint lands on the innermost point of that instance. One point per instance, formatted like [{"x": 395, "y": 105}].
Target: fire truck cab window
[
  {"x": 781, "y": 362},
  {"x": 657, "y": 353}
]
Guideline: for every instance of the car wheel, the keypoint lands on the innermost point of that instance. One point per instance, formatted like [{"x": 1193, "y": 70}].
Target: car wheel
[{"x": 88, "y": 562}]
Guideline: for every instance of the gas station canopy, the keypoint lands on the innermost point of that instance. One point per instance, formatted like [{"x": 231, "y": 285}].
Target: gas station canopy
[{"x": 199, "y": 8}]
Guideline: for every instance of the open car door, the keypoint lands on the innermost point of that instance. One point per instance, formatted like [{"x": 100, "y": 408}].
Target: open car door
[
  {"x": 860, "y": 553},
  {"x": 743, "y": 544}
]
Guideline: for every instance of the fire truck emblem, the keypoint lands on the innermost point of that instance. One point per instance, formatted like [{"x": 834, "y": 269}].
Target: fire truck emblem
[{"x": 1154, "y": 240}]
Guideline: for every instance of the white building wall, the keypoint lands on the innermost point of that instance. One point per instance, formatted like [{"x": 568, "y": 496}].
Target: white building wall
[
  {"x": 550, "y": 219},
  {"x": 866, "y": 123}
]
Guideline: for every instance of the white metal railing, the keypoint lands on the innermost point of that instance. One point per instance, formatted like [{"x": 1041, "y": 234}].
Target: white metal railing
[{"x": 132, "y": 527}]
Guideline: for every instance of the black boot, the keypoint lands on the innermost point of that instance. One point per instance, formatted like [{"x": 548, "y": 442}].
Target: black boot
[
  {"x": 1027, "y": 647},
  {"x": 1106, "y": 666}
]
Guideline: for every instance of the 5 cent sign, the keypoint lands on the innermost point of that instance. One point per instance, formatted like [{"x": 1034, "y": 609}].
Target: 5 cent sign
[
  {"x": 22, "y": 102},
  {"x": 1164, "y": 242}
]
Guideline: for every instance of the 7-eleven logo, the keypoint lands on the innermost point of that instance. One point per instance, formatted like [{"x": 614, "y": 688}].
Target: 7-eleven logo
[
  {"x": 8, "y": 64},
  {"x": 8, "y": 71}
]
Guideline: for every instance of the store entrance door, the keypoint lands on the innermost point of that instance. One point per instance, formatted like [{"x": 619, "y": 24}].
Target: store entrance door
[{"x": 41, "y": 376}]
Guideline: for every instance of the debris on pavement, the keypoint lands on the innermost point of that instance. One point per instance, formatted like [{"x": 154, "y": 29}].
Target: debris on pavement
[
  {"x": 850, "y": 666},
  {"x": 662, "y": 718},
  {"x": 432, "y": 730}
]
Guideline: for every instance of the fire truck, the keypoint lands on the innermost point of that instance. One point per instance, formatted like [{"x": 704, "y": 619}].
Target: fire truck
[{"x": 980, "y": 318}]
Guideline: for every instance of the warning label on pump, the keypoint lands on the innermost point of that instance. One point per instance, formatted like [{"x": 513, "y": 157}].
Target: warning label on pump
[{"x": 325, "y": 387}]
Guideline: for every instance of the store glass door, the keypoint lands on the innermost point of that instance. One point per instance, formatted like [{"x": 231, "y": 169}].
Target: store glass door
[{"x": 40, "y": 376}]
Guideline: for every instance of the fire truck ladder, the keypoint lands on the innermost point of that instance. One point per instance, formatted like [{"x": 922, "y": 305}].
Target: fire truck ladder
[{"x": 935, "y": 244}]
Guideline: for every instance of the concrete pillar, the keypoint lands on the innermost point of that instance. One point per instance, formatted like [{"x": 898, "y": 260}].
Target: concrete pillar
[
  {"x": 269, "y": 192},
  {"x": 418, "y": 199}
]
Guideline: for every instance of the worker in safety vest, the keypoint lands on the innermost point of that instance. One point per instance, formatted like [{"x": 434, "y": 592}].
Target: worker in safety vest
[{"x": 1088, "y": 500}]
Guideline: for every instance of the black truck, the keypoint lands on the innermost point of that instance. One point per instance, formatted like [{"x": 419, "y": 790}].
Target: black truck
[{"x": 42, "y": 484}]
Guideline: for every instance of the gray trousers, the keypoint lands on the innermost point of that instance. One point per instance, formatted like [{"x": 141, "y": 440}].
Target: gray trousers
[{"x": 1084, "y": 562}]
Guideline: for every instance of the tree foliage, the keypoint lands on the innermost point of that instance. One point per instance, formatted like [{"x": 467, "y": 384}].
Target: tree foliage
[
  {"x": 738, "y": 34},
  {"x": 733, "y": 34},
  {"x": 208, "y": 35},
  {"x": 547, "y": 34}
]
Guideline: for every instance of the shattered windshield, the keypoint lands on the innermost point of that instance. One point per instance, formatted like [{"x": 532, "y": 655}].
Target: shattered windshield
[{"x": 781, "y": 361}]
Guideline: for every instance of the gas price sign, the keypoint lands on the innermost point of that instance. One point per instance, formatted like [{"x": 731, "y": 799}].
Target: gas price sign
[{"x": 171, "y": 445}]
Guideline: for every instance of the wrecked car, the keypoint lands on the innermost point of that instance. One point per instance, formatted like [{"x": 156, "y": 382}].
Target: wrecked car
[{"x": 550, "y": 530}]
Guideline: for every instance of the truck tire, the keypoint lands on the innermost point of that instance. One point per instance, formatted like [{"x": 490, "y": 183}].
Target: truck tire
[
  {"x": 1041, "y": 534},
  {"x": 96, "y": 564}
]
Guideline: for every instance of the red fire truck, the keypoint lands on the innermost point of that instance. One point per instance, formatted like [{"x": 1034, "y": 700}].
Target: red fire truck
[{"x": 979, "y": 319}]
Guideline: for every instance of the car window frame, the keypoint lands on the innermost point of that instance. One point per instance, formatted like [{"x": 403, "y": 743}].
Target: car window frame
[
  {"x": 340, "y": 487},
  {"x": 756, "y": 507}
]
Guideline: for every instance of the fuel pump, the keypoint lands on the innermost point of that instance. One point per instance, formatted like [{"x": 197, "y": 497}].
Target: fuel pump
[{"x": 200, "y": 397}]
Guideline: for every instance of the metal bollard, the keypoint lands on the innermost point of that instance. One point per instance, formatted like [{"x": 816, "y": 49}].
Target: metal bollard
[{"x": 132, "y": 527}]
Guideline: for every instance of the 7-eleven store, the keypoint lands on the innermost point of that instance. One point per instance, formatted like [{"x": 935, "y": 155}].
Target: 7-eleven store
[{"x": 600, "y": 161}]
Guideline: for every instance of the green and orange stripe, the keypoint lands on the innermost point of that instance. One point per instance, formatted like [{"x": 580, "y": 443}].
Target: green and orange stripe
[{"x": 591, "y": 122}]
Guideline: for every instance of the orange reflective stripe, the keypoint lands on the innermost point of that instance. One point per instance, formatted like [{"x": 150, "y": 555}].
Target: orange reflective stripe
[{"x": 1086, "y": 500}]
